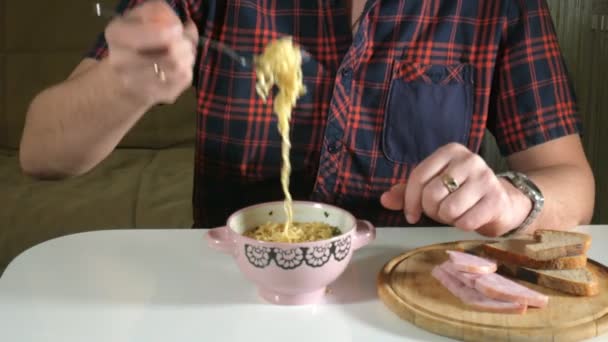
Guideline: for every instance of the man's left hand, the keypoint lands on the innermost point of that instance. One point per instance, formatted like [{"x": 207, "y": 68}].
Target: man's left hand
[{"x": 479, "y": 201}]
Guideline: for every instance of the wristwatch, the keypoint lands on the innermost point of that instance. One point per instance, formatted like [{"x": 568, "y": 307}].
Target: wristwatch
[{"x": 525, "y": 185}]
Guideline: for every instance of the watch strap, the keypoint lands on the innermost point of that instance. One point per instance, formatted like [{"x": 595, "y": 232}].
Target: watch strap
[{"x": 528, "y": 188}]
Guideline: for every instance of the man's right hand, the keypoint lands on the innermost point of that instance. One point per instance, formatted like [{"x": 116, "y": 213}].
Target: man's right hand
[{"x": 152, "y": 53}]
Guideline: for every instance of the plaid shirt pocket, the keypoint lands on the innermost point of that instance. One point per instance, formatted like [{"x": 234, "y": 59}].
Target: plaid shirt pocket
[{"x": 428, "y": 106}]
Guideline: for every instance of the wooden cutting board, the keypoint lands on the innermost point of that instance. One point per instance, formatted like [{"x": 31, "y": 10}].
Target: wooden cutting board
[{"x": 406, "y": 286}]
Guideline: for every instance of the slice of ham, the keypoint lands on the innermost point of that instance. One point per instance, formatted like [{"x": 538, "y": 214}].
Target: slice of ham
[
  {"x": 500, "y": 288},
  {"x": 467, "y": 278},
  {"x": 474, "y": 298},
  {"x": 466, "y": 262}
]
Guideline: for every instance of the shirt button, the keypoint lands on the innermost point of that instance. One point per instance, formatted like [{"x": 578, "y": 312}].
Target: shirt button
[{"x": 334, "y": 147}]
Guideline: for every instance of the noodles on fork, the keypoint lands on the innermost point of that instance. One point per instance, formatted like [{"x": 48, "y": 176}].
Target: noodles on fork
[{"x": 281, "y": 64}]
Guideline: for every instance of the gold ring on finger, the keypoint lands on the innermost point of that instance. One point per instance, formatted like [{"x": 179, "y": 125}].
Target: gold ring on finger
[{"x": 450, "y": 183}]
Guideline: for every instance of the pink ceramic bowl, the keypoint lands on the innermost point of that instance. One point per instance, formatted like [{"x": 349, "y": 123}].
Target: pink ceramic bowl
[{"x": 292, "y": 273}]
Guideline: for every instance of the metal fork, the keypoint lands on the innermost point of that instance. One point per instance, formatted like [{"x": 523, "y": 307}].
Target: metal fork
[{"x": 246, "y": 62}]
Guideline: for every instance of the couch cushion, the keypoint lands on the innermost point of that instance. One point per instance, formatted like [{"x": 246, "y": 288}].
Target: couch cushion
[
  {"x": 66, "y": 25},
  {"x": 3, "y": 124},
  {"x": 109, "y": 197},
  {"x": 165, "y": 192}
]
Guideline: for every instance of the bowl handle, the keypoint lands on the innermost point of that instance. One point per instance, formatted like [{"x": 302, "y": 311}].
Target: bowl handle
[
  {"x": 219, "y": 239},
  {"x": 365, "y": 232}
]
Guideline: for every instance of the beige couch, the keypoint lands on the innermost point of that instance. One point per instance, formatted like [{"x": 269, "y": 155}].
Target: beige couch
[{"x": 145, "y": 183}]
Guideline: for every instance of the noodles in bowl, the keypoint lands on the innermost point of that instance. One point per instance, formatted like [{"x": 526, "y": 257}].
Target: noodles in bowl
[{"x": 298, "y": 232}]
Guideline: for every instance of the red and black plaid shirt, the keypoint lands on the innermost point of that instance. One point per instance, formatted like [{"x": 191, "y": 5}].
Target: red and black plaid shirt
[{"x": 415, "y": 75}]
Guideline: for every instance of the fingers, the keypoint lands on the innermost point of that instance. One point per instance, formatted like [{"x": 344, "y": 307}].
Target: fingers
[
  {"x": 456, "y": 204},
  {"x": 151, "y": 26},
  {"x": 178, "y": 57},
  {"x": 394, "y": 198},
  {"x": 131, "y": 35},
  {"x": 435, "y": 192},
  {"x": 474, "y": 178},
  {"x": 154, "y": 12},
  {"x": 424, "y": 173},
  {"x": 479, "y": 215},
  {"x": 416, "y": 183},
  {"x": 191, "y": 33}
]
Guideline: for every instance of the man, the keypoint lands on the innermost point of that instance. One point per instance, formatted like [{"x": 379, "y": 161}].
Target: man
[{"x": 399, "y": 95}]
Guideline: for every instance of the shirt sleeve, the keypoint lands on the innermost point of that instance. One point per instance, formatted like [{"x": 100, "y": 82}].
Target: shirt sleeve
[
  {"x": 182, "y": 8},
  {"x": 532, "y": 99}
]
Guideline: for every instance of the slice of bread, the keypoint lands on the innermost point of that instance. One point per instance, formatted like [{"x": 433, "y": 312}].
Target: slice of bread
[
  {"x": 514, "y": 251},
  {"x": 556, "y": 244},
  {"x": 580, "y": 281}
]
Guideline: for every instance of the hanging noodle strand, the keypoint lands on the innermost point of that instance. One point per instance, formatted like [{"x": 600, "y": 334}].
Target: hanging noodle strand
[{"x": 280, "y": 64}]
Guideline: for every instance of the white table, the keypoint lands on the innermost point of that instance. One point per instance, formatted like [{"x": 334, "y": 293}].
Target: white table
[{"x": 167, "y": 285}]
